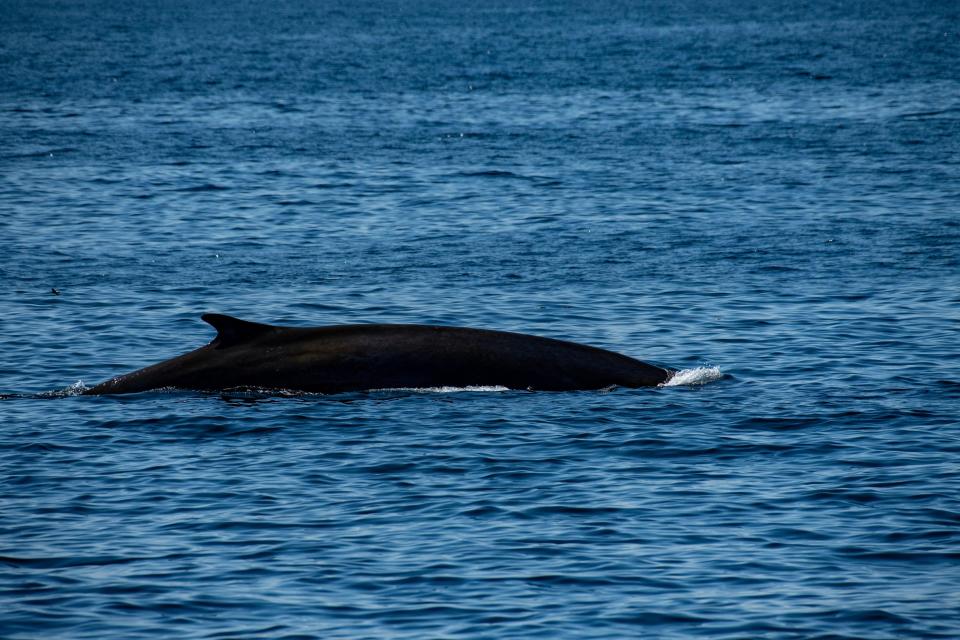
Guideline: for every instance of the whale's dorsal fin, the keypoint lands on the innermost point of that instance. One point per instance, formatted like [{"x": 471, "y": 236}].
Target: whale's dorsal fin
[{"x": 231, "y": 331}]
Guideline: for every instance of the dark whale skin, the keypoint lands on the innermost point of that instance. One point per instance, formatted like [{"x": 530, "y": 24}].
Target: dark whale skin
[{"x": 363, "y": 357}]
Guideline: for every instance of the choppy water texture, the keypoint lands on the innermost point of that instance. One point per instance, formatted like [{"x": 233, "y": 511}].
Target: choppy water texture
[{"x": 768, "y": 190}]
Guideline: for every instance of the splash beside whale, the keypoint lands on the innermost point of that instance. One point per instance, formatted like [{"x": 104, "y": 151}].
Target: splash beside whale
[{"x": 335, "y": 359}]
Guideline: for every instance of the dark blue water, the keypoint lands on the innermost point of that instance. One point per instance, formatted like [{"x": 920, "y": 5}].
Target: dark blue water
[{"x": 765, "y": 195}]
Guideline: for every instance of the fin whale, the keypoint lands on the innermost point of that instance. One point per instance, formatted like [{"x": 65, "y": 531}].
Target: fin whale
[{"x": 362, "y": 357}]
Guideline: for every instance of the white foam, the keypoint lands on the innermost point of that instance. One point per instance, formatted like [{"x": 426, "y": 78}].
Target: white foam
[
  {"x": 76, "y": 389},
  {"x": 699, "y": 375},
  {"x": 447, "y": 389}
]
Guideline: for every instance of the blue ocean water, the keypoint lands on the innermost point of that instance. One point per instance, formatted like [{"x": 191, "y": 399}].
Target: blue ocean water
[{"x": 763, "y": 194}]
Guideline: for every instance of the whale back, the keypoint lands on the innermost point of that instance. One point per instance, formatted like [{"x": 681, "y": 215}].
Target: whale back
[{"x": 341, "y": 358}]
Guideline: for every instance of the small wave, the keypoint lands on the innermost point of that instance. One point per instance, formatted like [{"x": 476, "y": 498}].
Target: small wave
[
  {"x": 494, "y": 173},
  {"x": 929, "y": 114},
  {"x": 45, "y": 153},
  {"x": 75, "y": 389},
  {"x": 203, "y": 187},
  {"x": 699, "y": 375}
]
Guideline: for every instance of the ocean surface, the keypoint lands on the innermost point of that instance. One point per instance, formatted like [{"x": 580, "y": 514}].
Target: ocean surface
[{"x": 765, "y": 195}]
